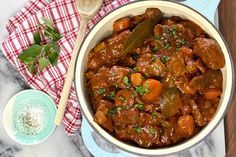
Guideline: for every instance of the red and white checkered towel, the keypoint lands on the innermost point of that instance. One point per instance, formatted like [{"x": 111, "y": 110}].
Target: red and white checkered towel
[{"x": 66, "y": 19}]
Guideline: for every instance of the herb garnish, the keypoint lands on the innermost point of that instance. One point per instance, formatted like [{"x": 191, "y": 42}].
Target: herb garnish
[
  {"x": 38, "y": 56},
  {"x": 101, "y": 90},
  {"x": 164, "y": 59},
  {"x": 112, "y": 95},
  {"x": 156, "y": 48},
  {"x": 114, "y": 110},
  {"x": 123, "y": 99},
  {"x": 139, "y": 106},
  {"x": 154, "y": 114},
  {"x": 167, "y": 46},
  {"x": 151, "y": 131},
  {"x": 126, "y": 81},
  {"x": 142, "y": 90},
  {"x": 135, "y": 69},
  {"x": 137, "y": 129}
]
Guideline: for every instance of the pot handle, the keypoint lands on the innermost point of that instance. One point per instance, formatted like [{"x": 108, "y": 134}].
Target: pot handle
[
  {"x": 206, "y": 7},
  {"x": 93, "y": 147}
]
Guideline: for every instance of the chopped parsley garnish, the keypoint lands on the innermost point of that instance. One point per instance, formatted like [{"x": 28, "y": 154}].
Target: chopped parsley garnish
[
  {"x": 141, "y": 90},
  {"x": 101, "y": 90},
  {"x": 112, "y": 95},
  {"x": 113, "y": 111},
  {"x": 173, "y": 31},
  {"x": 157, "y": 37},
  {"x": 167, "y": 46},
  {"x": 183, "y": 41},
  {"x": 154, "y": 114},
  {"x": 156, "y": 48},
  {"x": 123, "y": 99},
  {"x": 126, "y": 81},
  {"x": 135, "y": 69},
  {"x": 151, "y": 131},
  {"x": 154, "y": 58},
  {"x": 164, "y": 59},
  {"x": 139, "y": 106},
  {"x": 138, "y": 129},
  {"x": 165, "y": 30}
]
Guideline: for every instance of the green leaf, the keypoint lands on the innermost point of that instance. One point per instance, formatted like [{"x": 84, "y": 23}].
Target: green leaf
[
  {"x": 151, "y": 131},
  {"x": 135, "y": 69},
  {"x": 112, "y": 95},
  {"x": 141, "y": 33},
  {"x": 137, "y": 129},
  {"x": 43, "y": 63},
  {"x": 52, "y": 50},
  {"x": 164, "y": 59},
  {"x": 56, "y": 36},
  {"x": 139, "y": 106},
  {"x": 48, "y": 23},
  {"x": 55, "y": 46},
  {"x": 156, "y": 48},
  {"x": 33, "y": 52},
  {"x": 47, "y": 48},
  {"x": 142, "y": 90},
  {"x": 126, "y": 81},
  {"x": 32, "y": 68},
  {"x": 101, "y": 90},
  {"x": 37, "y": 38},
  {"x": 154, "y": 114},
  {"x": 53, "y": 58},
  {"x": 123, "y": 99},
  {"x": 29, "y": 60},
  {"x": 114, "y": 110}
]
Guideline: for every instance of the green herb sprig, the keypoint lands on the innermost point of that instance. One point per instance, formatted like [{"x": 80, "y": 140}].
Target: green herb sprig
[{"x": 40, "y": 55}]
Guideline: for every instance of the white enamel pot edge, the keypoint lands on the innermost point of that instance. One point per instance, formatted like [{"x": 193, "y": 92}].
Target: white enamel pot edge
[{"x": 104, "y": 28}]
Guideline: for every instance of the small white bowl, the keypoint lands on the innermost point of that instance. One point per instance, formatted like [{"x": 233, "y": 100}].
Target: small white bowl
[{"x": 28, "y": 117}]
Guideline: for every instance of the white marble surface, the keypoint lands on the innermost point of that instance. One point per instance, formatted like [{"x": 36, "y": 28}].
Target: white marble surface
[{"x": 59, "y": 144}]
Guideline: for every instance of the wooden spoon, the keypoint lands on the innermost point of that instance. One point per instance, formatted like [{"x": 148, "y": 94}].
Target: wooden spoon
[{"x": 86, "y": 8}]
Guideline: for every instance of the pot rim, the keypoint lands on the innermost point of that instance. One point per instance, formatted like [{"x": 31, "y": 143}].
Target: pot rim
[{"x": 170, "y": 149}]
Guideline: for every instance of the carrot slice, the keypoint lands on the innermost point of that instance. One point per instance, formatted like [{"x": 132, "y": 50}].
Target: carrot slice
[
  {"x": 154, "y": 90},
  {"x": 136, "y": 79},
  {"x": 124, "y": 98},
  {"x": 211, "y": 94}
]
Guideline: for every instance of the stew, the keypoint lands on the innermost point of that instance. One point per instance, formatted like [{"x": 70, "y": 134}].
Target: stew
[{"x": 155, "y": 81}]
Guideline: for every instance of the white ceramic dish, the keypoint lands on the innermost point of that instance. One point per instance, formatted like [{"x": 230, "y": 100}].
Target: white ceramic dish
[
  {"x": 28, "y": 117},
  {"x": 104, "y": 28}
]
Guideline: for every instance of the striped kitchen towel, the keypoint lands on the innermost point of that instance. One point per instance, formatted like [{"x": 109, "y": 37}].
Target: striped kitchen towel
[{"x": 67, "y": 20}]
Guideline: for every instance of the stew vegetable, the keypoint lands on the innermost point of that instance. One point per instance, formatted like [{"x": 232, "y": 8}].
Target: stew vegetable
[{"x": 155, "y": 81}]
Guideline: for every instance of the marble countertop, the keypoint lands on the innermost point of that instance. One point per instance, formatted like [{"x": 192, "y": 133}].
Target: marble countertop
[{"x": 59, "y": 144}]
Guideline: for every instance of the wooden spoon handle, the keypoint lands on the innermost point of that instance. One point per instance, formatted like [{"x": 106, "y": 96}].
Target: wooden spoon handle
[{"x": 70, "y": 73}]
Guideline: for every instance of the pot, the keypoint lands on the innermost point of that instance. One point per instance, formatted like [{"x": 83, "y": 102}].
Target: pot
[{"x": 104, "y": 28}]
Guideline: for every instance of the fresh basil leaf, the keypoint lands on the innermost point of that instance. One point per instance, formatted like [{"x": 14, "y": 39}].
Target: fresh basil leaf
[
  {"x": 55, "y": 46},
  {"x": 43, "y": 63},
  {"x": 53, "y": 58},
  {"x": 48, "y": 23},
  {"x": 141, "y": 33},
  {"x": 56, "y": 36},
  {"x": 29, "y": 60},
  {"x": 32, "y": 68},
  {"x": 47, "y": 48},
  {"x": 37, "y": 38},
  {"x": 33, "y": 51}
]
